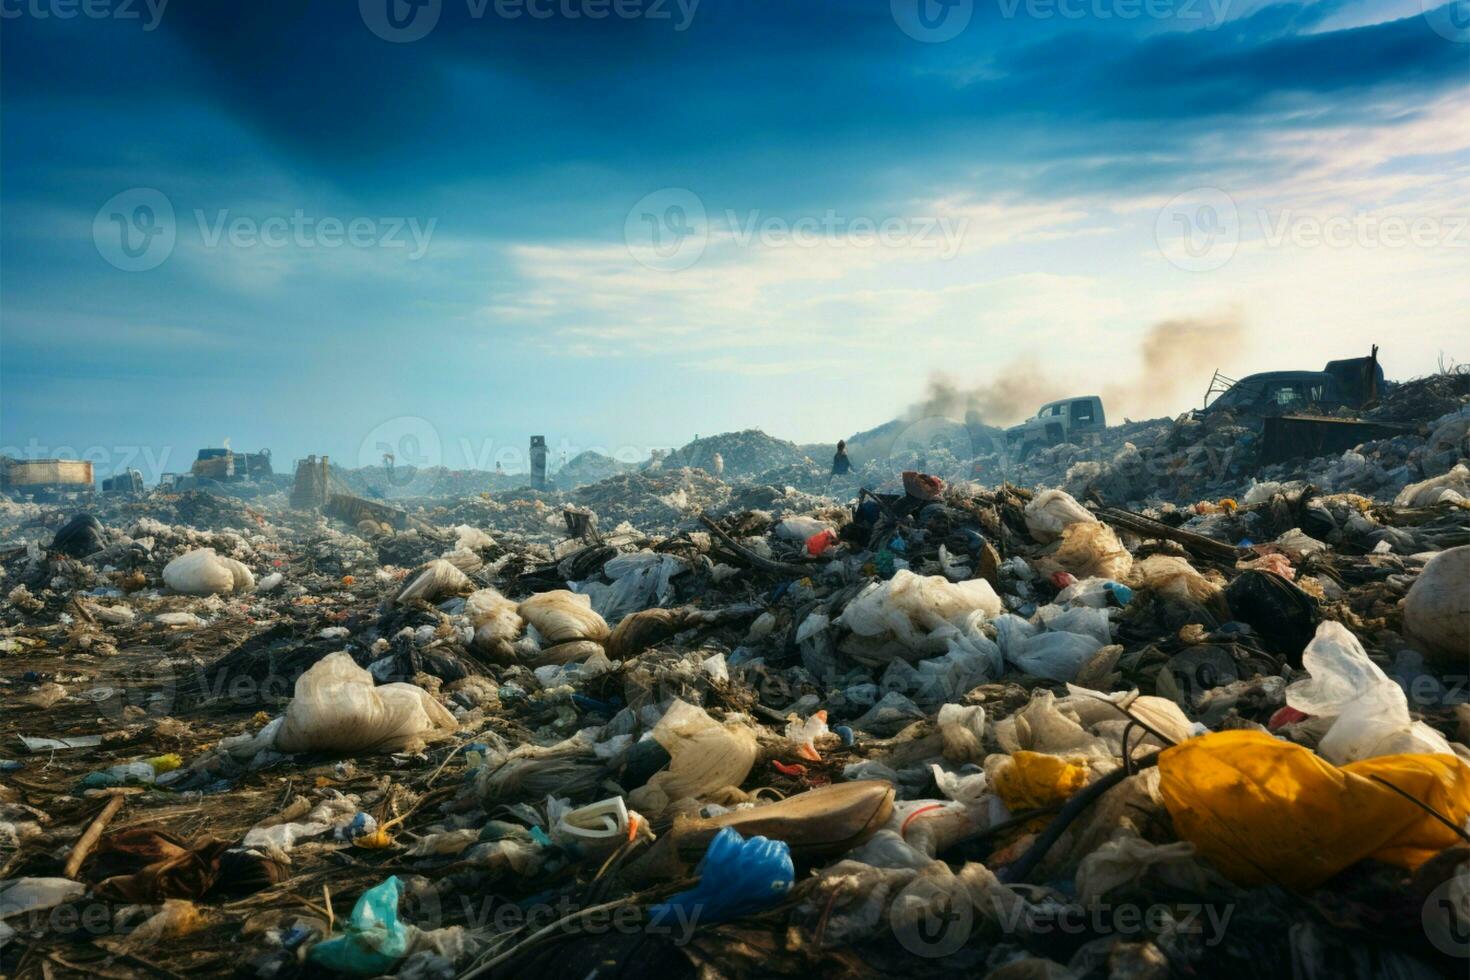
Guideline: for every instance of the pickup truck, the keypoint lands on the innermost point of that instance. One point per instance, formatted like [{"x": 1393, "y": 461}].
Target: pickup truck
[{"x": 1065, "y": 420}]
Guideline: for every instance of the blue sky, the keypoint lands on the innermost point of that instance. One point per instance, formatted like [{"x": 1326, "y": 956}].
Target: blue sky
[{"x": 322, "y": 227}]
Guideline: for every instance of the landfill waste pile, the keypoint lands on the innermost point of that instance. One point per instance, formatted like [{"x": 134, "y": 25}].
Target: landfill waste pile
[
  {"x": 750, "y": 453},
  {"x": 692, "y": 724}
]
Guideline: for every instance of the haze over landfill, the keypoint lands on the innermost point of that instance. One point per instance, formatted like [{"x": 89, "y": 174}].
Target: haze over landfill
[{"x": 496, "y": 289}]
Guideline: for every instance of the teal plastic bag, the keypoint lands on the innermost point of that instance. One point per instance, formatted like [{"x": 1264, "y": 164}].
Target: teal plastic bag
[{"x": 374, "y": 938}]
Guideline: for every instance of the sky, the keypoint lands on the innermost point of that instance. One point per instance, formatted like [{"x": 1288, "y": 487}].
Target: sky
[{"x": 436, "y": 227}]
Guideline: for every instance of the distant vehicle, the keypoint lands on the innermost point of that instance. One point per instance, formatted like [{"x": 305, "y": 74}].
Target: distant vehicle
[
  {"x": 223, "y": 466},
  {"x": 46, "y": 479},
  {"x": 1065, "y": 420},
  {"x": 127, "y": 482},
  {"x": 1349, "y": 383}
]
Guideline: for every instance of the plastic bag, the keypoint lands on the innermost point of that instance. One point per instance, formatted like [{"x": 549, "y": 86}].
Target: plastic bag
[
  {"x": 1282, "y": 614},
  {"x": 962, "y": 727},
  {"x": 337, "y": 709},
  {"x": 373, "y": 939},
  {"x": 640, "y": 580},
  {"x": 1051, "y": 511},
  {"x": 472, "y": 538},
  {"x": 203, "y": 572},
  {"x": 1172, "y": 576},
  {"x": 1437, "y": 610},
  {"x": 1267, "y": 811},
  {"x": 736, "y": 877},
  {"x": 800, "y": 528},
  {"x": 1129, "y": 861},
  {"x": 1043, "y": 726},
  {"x": 908, "y": 609},
  {"x": 21, "y": 895},
  {"x": 705, "y": 757},
  {"x": 1090, "y": 550},
  {"x": 560, "y": 616},
  {"x": 933, "y": 826},
  {"x": 1451, "y": 486},
  {"x": 436, "y": 579},
  {"x": 821, "y": 541},
  {"x": 1032, "y": 780},
  {"x": 1054, "y": 654},
  {"x": 1371, "y": 712},
  {"x": 971, "y": 659},
  {"x": 496, "y": 622}
]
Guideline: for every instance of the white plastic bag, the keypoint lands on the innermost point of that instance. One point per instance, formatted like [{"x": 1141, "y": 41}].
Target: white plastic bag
[
  {"x": 706, "y": 757},
  {"x": 799, "y": 528},
  {"x": 1451, "y": 486},
  {"x": 338, "y": 709},
  {"x": 909, "y": 608},
  {"x": 641, "y": 580},
  {"x": 1052, "y": 511},
  {"x": 1437, "y": 610},
  {"x": 203, "y": 572},
  {"x": 1058, "y": 646},
  {"x": 1370, "y": 712},
  {"x": 472, "y": 538}
]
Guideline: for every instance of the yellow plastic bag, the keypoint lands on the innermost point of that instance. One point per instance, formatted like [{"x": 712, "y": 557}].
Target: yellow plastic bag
[
  {"x": 1263, "y": 810},
  {"x": 1035, "y": 779}
]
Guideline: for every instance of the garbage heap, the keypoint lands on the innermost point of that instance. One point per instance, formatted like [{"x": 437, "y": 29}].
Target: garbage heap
[{"x": 695, "y": 728}]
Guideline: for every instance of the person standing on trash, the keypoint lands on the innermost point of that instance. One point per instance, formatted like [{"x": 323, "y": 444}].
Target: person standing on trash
[{"x": 841, "y": 465}]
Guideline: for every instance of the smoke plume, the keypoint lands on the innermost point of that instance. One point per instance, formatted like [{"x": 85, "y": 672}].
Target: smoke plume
[{"x": 1175, "y": 361}]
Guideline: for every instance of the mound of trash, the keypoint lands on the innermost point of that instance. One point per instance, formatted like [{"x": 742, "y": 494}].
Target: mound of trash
[{"x": 919, "y": 720}]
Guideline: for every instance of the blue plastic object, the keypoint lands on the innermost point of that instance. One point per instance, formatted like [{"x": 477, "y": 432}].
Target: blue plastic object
[
  {"x": 592, "y": 704},
  {"x": 898, "y": 545},
  {"x": 736, "y": 877},
  {"x": 1244, "y": 543},
  {"x": 1121, "y": 592},
  {"x": 844, "y": 733},
  {"x": 868, "y": 512},
  {"x": 374, "y": 938},
  {"x": 974, "y": 541}
]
